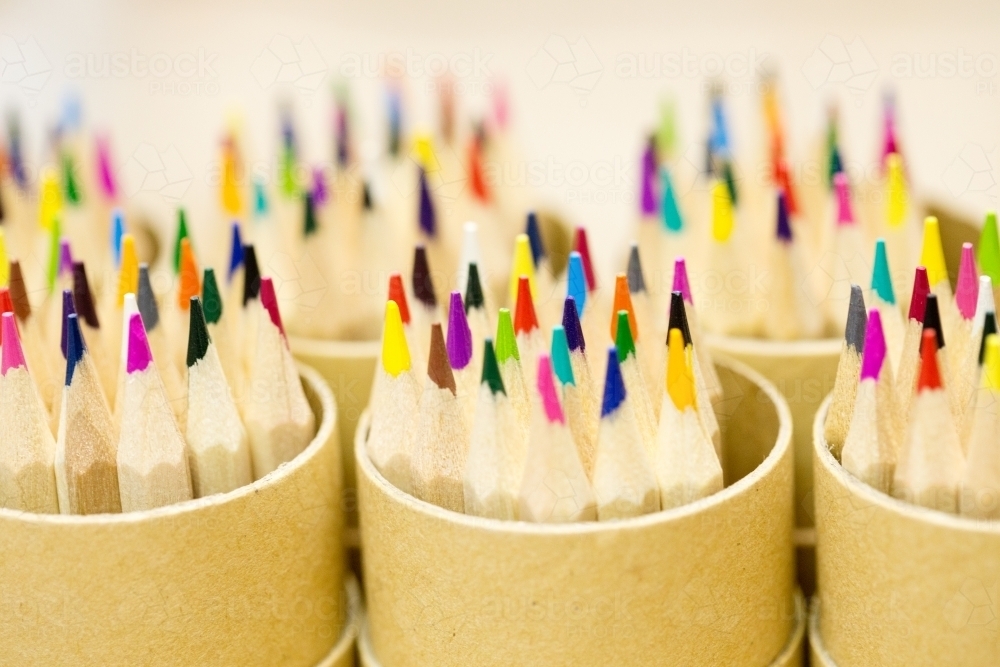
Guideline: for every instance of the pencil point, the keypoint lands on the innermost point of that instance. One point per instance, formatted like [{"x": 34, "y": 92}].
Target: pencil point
[
  {"x": 784, "y": 228},
  {"x": 932, "y": 319},
  {"x": 874, "y": 354},
  {"x": 918, "y": 300},
  {"x": 19, "y": 292},
  {"x": 989, "y": 328},
  {"x": 269, "y": 300},
  {"x": 636, "y": 281},
  {"x": 423, "y": 284},
  {"x": 309, "y": 224},
  {"x": 623, "y": 301},
  {"x": 74, "y": 346},
  {"x": 523, "y": 266},
  {"x": 525, "y": 319},
  {"x": 426, "y": 215},
  {"x": 614, "y": 385},
  {"x": 989, "y": 248},
  {"x": 506, "y": 343},
  {"x": 235, "y": 252},
  {"x": 722, "y": 213},
  {"x": 547, "y": 390},
  {"x": 211, "y": 300},
  {"x": 845, "y": 213},
  {"x": 190, "y": 285},
  {"x": 65, "y": 258},
  {"x": 647, "y": 199},
  {"x": 128, "y": 272},
  {"x": 491, "y": 370},
  {"x": 251, "y": 275},
  {"x": 680, "y": 282},
  {"x": 473, "y": 289},
  {"x": 624, "y": 340},
  {"x": 932, "y": 253},
  {"x": 438, "y": 369},
  {"x": 678, "y": 317},
  {"x": 571, "y": 323},
  {"x": 395, "y": 351},
  {"x": 535, "y": 238},
  {"x": 459, "y": 334},
  {"x": 930, "y": 376},
  {"x": 576, "y": 282},
  {"x": 398, "y": 294},
  {"x": 6, "y": 305},
  {"x": 83, "y": 298},
  {"x": 182, "y": 233},
  {"x": 117, "y": 232},
  {"x": 857, "y": 320},
  {"x": 67, "y": 309},
  {"x": 967, "y": 287},
  {"x": 881, "y": 276},
  {"x": 672, "y": 218},
  {"x": 139, "y": 354},
  {"x": 680, "y": 376},
  {"x": 560, "y": 356},
  {"x": 4, "y": 260},
  {"x": 198, "y": 338},
  {"x": 146, "y": 300},
  {"x": 581, "y": 246},
  {"x": 991, "y": 367},
  {"x": 13, "y": 355},
  {"x": 897, "y": 195}
]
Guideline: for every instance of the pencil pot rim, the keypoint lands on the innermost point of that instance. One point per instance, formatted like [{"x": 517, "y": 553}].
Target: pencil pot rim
[
  {"x": 900, "y": 584},
  {"x": 252, "y": 577},
  {"x": 449, "y": 589}
]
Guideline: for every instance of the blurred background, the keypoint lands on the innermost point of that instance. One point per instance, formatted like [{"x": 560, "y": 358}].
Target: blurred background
[{"x": 585, "y": 81}]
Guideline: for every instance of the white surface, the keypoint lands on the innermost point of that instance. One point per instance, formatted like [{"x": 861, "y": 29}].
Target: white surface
[{"x": 949, "y": 120}]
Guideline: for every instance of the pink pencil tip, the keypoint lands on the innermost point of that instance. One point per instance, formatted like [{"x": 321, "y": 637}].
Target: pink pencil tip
[
  {"x": 13, "y": 355},
  {"x": 547, "y": 389},
  {"x": 269, "y": 300},
  {"x": 845, "y": 215},
  {"x": 874, "y": 354},
  {"x": 139, "y": 354},
  {"x": 681, "y": 283},
  {"x": 967, "y": 287}
]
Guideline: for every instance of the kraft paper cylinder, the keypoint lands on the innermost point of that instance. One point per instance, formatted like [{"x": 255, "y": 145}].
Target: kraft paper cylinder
[
  {"x": 901, "y": 585},
  {"x": 707, "y": 584},
  {"x": 349, "y": 368},
  {"x": 253, "y": 577}
]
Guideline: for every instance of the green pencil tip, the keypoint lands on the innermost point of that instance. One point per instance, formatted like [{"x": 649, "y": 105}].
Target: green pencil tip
[
  {"x": 198, "y": 338},
  {"x": 624, "y": 340},
  {"x": 211, "y": 299},
  {"x": 881, "y": 277},
  {"x": 506, "y": 342},
  {"x": 988, "y": 255},
  {"x": 182, "y": 233},
  {"x": 71, "y": 190},
  {"x": 491, "y": 370}
]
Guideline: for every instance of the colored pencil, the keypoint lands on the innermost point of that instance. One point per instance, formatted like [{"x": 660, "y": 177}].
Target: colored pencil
[
  {"x": 584, "y": 430},
  {"x": 631, "y": 370},
  {"x": 980, "y": 490},
  {"x": 883, "y": 299},
  {"x": 459, "y": 345},
  {"x": 511, "y": 369},
  {"x": 845, "y": 384},
  {"x": 680, "y": 283},
  {"x": 38, "y": 359},
  {"x": 793, "y": 310},
  {"x": 703, "y": 403}
]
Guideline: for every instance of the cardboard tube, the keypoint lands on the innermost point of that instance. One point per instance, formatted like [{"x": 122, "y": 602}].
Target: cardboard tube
[
  {"x": 901, "y": 584},
  {"x": 252, "y": 577},
  {"x": 689, "y": 586},
  {"x": 349, "y": 368}
]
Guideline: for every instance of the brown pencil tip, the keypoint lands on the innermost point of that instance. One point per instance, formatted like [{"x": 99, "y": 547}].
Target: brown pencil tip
[{"x": 438, "y": 366}]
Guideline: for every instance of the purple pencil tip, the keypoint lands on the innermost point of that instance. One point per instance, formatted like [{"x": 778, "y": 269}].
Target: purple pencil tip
[
  {"x": 648, "y": 193},
  {"x": 784, "y": 229},
  {"x": 874, "y": 354},
  {"x": 459, "y": 334},
  {"x": 65, "y": 257}
]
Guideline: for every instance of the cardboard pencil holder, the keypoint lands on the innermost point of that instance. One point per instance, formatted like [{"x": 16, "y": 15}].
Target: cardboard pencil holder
[
  {"x": 710, "y": 583},
  {"x": 349, "y": 368},
  {"x": 252, "y": 577},
  {"x": 900, "y": 584},
  {"x": 804, "y": 373}
]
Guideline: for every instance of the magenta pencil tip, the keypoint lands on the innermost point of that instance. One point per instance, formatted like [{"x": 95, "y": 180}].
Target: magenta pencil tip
[
  {"x": 874, "y": 354},
  {"x": 967, "y": 287},
  {"x": 459, "y": 341},
  {"x": 681, "y": 283},
  {"x": 13, "y": 355},
  {"x": 547, "y": 391},
  {"x": 139, "y": 354}
]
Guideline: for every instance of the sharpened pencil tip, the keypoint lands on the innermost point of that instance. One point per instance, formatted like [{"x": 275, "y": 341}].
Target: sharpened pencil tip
[
  {"x": 547, "y": 391},
  {"x": 506, "y": 343},
  {"x": 13, "y": 355},
  {"x": 874, "y": 352},
  {"x": 535, "y": 237},
  {"x": 571, "y": 323},
  {"x": 147, "y": 300},
  {"x": 623, "y": 301},
  {"x": 918, "y": 299},
  {"x": 525, "y": 318},
  {"x": 198, "y": 338},
  {"x": 459, "y": 334},
  {"x": 857, "y": 320},
  {"x": 932, "y": 319},
  {"x": 636, "y": 280},
  {"x": 967, "y": 286},
  {"x": 932, "y": 253},
  {"x": 398, "y": 294},
  {"x": 438, "y": 368},
  {"x": 560, "y": 356},
  {"x": 251, "y": 275},
  {"x": 75, "y": 346},
  {"x": 881, "y": 276},
  {"x": 930, "y": 376},
  {"x": 624, "y": 340},
  {"x": 139, "y": 354},
  {"x": 576, "y": 282},
  {"x": 680, "y": 374},
  {"x": 491, "y": 370},
  {"x": 423, "y": 283},
  {"x": 395, "y": 350},
  {"x": 614, "y": 385}
]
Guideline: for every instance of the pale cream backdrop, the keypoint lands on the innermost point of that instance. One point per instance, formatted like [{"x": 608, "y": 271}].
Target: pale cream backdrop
[{"x": 579, "y": 113}]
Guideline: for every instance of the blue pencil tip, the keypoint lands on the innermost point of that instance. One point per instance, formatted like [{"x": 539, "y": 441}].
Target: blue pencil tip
[
  {"x": 784, "y": 230},
  {"x": 614, "y": 385},
  {"x": 237, "y": 253},
  {"x": 535, "y": 238},
  {"x": 571, "y": 323},
  {"x": 117, "y": 231},
  {"x": 576, "y": 286},
  {"x": 427, "y": 217},
  {"x": 74, "y": 346},
  {"x": 68, "y": 308}
]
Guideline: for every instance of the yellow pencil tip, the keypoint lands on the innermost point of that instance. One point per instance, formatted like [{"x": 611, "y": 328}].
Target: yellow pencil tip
[
  {"x": 49, "y": 198},
  {"x": 991, "y": 363},
  {"x": 932, "y": 253},
  {"x": 423, "y": 149},
  {"x": 680, "y": 373},
  {"x": 128, "y": 274},
  {"x": 4, "y": 261},
  {"x": 523, "y": 265},
  {"x": 722, "y": 213},
  {"x": 395, "y": 351},
  {"x": 897, "y": 197}
]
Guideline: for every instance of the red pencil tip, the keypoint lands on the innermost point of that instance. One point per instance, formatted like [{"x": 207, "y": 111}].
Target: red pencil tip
[
  {"x": 930, "y": 377},
  {"x": 398, "y": 294},
  {"x": 525, "y": 319},
  {"x": 583, "y": 247}
]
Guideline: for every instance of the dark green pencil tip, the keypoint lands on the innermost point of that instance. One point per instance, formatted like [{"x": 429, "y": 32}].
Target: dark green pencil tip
[
  {"x": 211, "y": 299},
  {"x": 624, "y": 341},
  {"x": 198, "y": 339},
  {"x": 491, "y": 371}
]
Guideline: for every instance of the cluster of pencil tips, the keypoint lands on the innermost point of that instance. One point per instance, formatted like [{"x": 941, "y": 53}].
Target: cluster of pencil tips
[
  {"x": 158, "y": 403},
  {"x": 510, "y": 421},
  {"x": 912, "y": 416}
]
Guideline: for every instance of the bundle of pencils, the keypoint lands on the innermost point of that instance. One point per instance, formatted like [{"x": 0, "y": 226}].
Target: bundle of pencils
[
  {"x": 918, "y": 419},
  {"x": 521, "y": 431}
]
